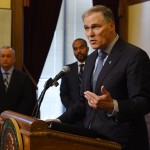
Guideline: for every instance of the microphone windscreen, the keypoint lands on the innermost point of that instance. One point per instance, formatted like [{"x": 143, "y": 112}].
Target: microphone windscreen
[{"x": 66, "y": 69}]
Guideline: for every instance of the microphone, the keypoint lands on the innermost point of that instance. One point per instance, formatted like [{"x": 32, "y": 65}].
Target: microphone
[{"x": 51, "y": 82}]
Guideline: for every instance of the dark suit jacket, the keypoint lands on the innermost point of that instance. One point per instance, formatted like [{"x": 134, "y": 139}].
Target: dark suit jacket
[
  {"x": 125, "y": 75},
  {"x": 18, "y": 96},
  {"x": 69, "y": 88}
]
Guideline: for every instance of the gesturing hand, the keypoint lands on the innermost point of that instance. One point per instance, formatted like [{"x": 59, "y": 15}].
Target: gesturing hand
[{"x": 103, "y": 102}]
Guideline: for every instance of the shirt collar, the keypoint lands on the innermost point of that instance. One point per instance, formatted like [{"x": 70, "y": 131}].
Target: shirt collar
[
  {"x": 9, "y": 71},
  {"x": 79, "y": 63},
  {"x": 110, "y": 46}
]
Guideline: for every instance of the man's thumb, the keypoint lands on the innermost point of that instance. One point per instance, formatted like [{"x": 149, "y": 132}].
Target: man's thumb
[{"x": 103, "y": 90}]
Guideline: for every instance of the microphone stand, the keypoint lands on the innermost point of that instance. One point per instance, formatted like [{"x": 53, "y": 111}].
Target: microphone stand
[{"x": 48, "y": 84}]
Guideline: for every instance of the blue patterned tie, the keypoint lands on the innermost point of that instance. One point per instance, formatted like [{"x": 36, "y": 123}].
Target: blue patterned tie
[{"x": 101, "y": 56}]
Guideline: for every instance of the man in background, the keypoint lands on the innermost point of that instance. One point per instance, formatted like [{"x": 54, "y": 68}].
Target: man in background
[
  {"x": 71, "y": 82},
  {"x": 15, "y": 86}
]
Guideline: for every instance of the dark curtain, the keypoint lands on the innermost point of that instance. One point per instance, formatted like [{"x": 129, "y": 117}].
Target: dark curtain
[
  {"x": 113, "y": 5},
  {"x": 40, "y": 20}
]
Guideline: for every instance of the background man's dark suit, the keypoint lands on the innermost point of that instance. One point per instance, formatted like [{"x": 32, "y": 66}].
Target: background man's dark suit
[
  {"x": 71, "y": 82},
  {"x": 18, "y": 96},
  {"x": 125, "y": 75},
  {"x": 69, "y": 89}
]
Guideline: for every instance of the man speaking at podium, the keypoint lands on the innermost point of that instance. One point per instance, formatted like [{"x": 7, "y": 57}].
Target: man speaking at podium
[{"x": 115, "y": 93}]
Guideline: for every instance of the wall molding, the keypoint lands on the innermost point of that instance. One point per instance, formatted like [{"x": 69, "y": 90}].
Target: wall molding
[
  {"x": 17, "y": 30},
  {"x": 131, "y": 2}
]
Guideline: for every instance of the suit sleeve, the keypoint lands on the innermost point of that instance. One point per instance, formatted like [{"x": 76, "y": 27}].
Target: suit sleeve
[
  {"x": 74, "y": 113},
  {"x": 138, "y": 86},
  {"x": 64, "y": 92}
]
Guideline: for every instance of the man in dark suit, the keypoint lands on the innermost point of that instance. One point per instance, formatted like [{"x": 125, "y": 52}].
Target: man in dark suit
[
  {"x": 15, "y": 86},
  {"x": 115, "y": 107},
  {"x": 70, "y": 83}
]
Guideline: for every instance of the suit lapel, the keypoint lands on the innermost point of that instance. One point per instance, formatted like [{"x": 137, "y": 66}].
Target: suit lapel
[
  {"x": 73, "y": 76},
  {"x": 108, "y": 66},
  {"x": 89, "y": 67},
  {"x": 12, "y": 80},
  {"x": 74, "y": 70},
  {"x": 2, "y": 86}
]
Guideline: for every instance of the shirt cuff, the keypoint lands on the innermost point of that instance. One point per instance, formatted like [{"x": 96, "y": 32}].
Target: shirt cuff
[
  {"x": 58, "y": 120},
  {"x": 115, "y": 110}
]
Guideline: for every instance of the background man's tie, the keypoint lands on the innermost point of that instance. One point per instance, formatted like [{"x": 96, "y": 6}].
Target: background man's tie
[
  {"x": 6, "y": 80},
  {"x": 81, "y": 74},
  {"x": 101, "y": 57}
]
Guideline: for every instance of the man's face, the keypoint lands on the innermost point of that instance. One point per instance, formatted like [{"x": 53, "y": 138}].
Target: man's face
[
  {"x": 98, "y": 31},
  {"x": 80, "y": 50},
  {"x": 7, "y": 58}
]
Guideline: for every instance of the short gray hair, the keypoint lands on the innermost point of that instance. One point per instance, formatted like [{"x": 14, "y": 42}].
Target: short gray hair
[
  {"x": 8, "y": 47},
  {"x": 107, "y": 13}
]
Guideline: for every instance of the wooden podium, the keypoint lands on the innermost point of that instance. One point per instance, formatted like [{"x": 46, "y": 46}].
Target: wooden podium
[{"x": 21, "y": 132}]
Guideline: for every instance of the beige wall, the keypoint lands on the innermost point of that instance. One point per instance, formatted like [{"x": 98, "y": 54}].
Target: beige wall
[
  {"x": 5, "y": 27},
  {"x": 5, "y": 22},
  {"x": 11, "y": 27},
  {"x": 139, "y": 25},
  {"x": 5, "y": 3}
]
